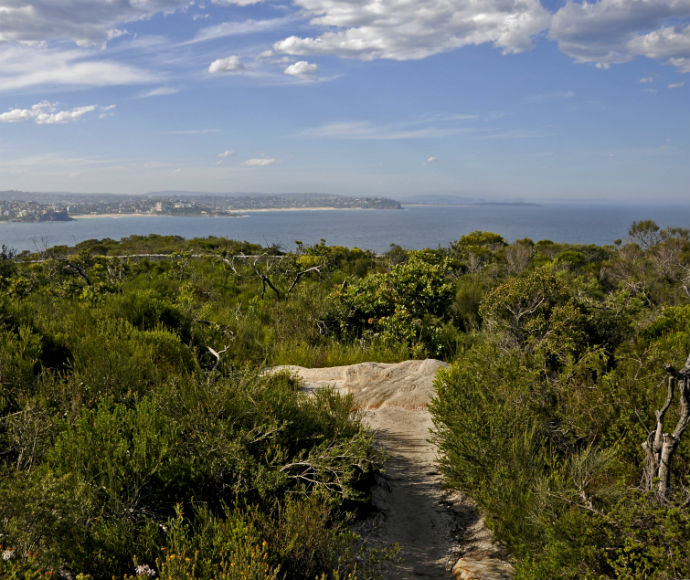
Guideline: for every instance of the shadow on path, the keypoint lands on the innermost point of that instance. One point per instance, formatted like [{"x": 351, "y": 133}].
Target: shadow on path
[{"x": 416, "y": 512}]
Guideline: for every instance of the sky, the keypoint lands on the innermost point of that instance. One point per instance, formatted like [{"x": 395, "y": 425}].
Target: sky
[{"x": 493, "y": 99}]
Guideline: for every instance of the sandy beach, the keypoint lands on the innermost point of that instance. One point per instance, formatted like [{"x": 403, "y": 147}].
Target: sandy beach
[
  {"x": 236, "y": 213},
  {"x": 115, "y": 215}
]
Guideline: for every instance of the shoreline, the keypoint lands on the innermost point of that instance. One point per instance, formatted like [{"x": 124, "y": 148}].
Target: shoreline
[
  {"x": 236, "y": 213},
  {"x": 114, "y": 215}
]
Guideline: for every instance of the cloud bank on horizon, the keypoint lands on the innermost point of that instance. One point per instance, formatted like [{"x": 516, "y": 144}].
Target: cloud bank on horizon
[{"x": 91, "y": 53}]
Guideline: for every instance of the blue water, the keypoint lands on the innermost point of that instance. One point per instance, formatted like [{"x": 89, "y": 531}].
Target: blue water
[{"x": 413, "y": 227}]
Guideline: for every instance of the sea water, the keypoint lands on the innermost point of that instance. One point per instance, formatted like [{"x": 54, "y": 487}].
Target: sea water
[{"x": 412, "y": 227}]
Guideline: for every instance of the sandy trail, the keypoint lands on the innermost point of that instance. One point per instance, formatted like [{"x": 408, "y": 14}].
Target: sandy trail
[{"x": 440, "y": 534}]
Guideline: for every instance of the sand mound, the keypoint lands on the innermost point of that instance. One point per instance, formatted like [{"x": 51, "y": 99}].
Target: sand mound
[
  {"x": 407, "y": 385},
  {"x": 440, "y": 533}
]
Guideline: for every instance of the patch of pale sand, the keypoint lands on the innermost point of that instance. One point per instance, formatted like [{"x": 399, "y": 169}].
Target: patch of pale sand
[{"x": 439, "y": 532}]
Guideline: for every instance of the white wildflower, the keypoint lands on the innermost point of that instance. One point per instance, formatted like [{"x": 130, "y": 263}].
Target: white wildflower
[
  {"x": 8, "y": 555},
  {"x": 144, "y": 570}
]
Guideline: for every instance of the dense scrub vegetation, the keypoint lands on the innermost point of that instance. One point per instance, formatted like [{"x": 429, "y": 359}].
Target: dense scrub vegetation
[
  {"x": 542, "y": 419},
  {"x": 138, "y": 434}
]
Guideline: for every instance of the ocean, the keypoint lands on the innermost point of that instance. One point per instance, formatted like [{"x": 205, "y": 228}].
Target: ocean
[{"x": 412, "y": 227}]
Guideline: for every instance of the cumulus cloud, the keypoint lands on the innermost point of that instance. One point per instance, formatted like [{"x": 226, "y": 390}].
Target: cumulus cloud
[
  {"x": 83, "y": 21},
  {"x": 302, "y": 69},
  {"x": 431, "y": 159},
  {"x": 260, "y": 161},
  {"x": 225, "y": 65},
  {"x": 405, "y": 30},
  {"x": 45, "y": 113},
  {"x": 615, "y": 31},
  {"x": 17, "y": 115},
  {"x": 670, "y": 44}
]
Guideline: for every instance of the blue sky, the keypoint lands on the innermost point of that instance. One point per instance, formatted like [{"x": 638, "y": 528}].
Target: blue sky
[{"x": 496, "y": 99}]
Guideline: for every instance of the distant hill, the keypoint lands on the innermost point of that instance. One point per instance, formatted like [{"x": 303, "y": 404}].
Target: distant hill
[{"x": 241, "y": 201}]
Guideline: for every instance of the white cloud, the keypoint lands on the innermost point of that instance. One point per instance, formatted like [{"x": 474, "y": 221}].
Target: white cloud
[
  {"x": 56, "y": 160},
  {"x": 17, "y": 115},
  {"x": 107, "y": 111},
  {"x": 426, "y": 128},
  {"x": 224, "y": 65},
  {"x": 260, "y": 161},
  {"x": 675, "y": 85},
  {"x": 25, "y": 66},
  {"x": 55, "y": 117},
  {"x": 45, "y": 113},
  {"x": 606, "y": 32},
  {"x": 86, "y": 22},
  {"x": 431, "y": 159},
  {"x": 225, "y": 29},
  {"x": 160, "y": 92},
  {"x": 224, "y": 155},
  {"x": 114, "y": 33},
  {"x": 670, "y": 44},
  {"x": 302, "y": 69},
  {"x": 410, "y": 30},
  {"x": 646, "y": 80}
]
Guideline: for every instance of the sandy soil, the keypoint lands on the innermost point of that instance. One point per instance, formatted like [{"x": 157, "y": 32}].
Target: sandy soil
[{"x": 439, "y": 532}]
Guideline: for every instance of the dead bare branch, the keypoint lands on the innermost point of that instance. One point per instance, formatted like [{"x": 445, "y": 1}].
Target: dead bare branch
[
  {"x": 217, "y": 354},
  {"x": 660, "y": 445}
]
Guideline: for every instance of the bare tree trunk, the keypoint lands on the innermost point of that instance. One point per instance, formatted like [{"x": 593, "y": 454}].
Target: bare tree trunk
[{"x": 661, "y": 446}]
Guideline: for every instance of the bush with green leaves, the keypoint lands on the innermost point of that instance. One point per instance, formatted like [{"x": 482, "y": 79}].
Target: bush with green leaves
[{"x": 407, "y": 305}]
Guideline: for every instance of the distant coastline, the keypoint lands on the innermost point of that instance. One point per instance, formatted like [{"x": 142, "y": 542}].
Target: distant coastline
[
  {"x": 42, "y": 207},
  {"x": 238, "y": 213},
  {"x": 88, "y": 216}
]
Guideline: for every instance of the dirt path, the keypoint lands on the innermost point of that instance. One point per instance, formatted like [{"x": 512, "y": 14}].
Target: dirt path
[{"x": 440, "y": 534}]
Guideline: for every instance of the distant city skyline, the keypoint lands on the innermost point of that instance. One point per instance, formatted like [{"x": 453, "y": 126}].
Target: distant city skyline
[{"x": 498, "y": 99}]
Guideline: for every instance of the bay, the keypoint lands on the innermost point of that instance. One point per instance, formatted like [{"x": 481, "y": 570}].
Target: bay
[{"x": 413, "y": 227}]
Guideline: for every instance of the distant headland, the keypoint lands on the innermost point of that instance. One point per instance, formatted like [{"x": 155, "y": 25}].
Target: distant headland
[{"x": 20, "y": 206}]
